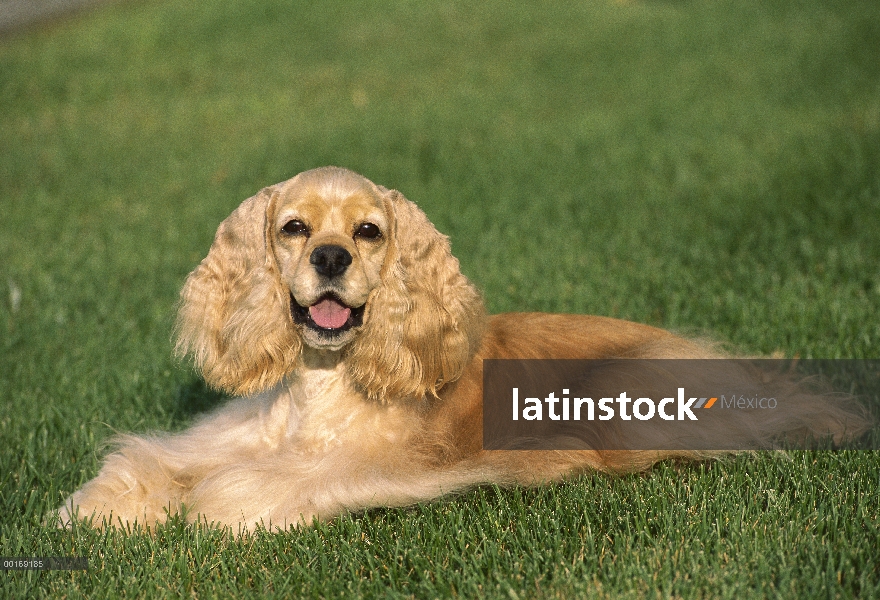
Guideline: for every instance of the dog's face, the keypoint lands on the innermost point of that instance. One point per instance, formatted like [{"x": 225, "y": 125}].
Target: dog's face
[
  {"x": 330, "y": 238},
  {"x": 329, "y": 260}
]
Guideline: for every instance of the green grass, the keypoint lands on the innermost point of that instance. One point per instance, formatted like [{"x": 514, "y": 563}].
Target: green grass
[{"x": 707, "y": 166}]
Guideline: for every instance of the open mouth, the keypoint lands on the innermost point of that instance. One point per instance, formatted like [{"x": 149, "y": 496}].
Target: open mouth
[{"x": 328, "y": 316}]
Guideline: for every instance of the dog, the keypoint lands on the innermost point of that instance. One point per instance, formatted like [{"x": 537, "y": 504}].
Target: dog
[{"x": 337, "y": 314}]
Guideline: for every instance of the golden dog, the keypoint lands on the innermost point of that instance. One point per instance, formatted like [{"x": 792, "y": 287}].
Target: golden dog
[{"x": 337, "y": 312}]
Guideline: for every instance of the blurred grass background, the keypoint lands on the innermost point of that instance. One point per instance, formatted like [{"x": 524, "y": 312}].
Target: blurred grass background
[{"x": 707, "y": 166}]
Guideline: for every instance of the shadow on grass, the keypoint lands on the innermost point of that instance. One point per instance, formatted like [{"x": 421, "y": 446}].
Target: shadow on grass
[{"x": 194, "y": 398}]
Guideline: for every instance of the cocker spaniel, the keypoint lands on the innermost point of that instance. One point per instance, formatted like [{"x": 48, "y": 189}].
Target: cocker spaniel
[{"x": 336, "y": 312}]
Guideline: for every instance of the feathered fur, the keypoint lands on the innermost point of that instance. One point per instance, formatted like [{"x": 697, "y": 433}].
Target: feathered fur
[{"x": 385, "y": 410}]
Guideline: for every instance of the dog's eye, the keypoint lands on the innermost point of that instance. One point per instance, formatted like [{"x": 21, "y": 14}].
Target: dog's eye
[
  {"x": 367, "y": 230},
  {"x": 295, "y": 227}
]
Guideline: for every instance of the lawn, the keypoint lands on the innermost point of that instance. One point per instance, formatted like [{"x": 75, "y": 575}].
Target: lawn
[{"x": 707, "y": 166}]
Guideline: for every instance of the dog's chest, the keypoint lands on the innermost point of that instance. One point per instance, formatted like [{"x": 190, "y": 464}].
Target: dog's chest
[{"x": 325, "y": 411}]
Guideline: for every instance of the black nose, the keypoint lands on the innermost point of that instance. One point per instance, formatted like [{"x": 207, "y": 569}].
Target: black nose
[{"x": 330, "y": 261}]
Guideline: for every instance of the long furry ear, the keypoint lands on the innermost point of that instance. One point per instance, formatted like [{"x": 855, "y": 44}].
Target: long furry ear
[
  {"x": 234, "y": 315},
  {"x": 424, "y": 322}
]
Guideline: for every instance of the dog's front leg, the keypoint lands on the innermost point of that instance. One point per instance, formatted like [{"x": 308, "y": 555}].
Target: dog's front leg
[
  {"x": 136, "y": 484},
  {"x": 149, "y": 477}
]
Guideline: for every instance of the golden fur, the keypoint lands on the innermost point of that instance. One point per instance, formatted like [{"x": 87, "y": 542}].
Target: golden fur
[{"x": 387, "y": 412}]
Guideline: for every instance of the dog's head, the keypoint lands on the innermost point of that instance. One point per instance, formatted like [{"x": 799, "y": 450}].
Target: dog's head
[{"x": 334, "y": 262}]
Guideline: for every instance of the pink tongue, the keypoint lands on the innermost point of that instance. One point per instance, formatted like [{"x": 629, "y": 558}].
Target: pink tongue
[{"x": 329, "y": 314}]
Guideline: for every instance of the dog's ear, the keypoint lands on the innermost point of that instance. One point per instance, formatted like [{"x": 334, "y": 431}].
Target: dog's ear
[
  {"x": 234, "y": 315},
  {"x": 424, "y": 322}
]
